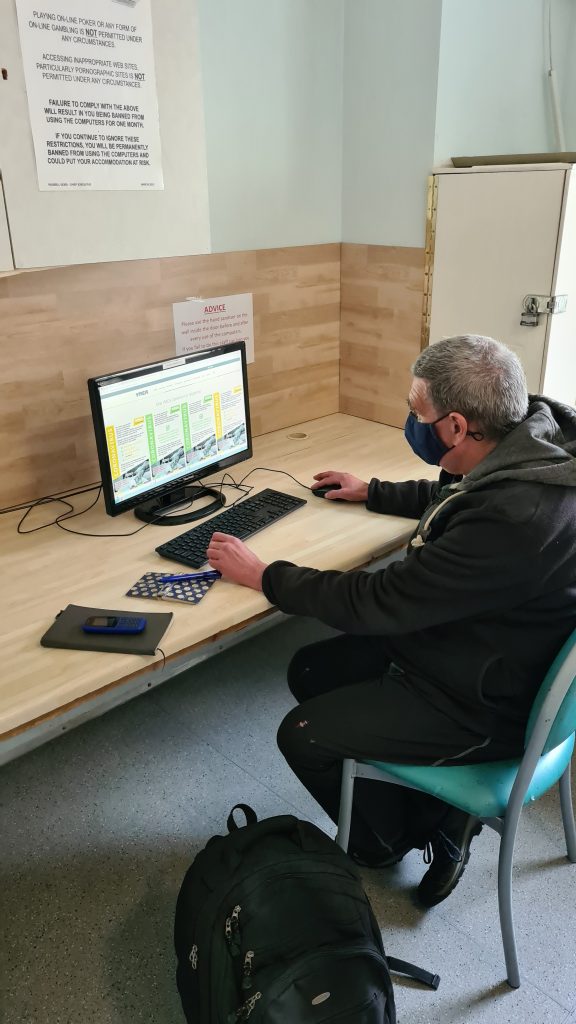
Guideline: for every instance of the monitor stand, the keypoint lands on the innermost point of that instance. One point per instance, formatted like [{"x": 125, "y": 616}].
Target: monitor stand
[{"x": 157, "y": 510}]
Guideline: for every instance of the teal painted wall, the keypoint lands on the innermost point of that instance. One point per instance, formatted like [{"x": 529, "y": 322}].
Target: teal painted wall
[
  {"x": 492, "y": 88},
  {"x": 325, "y": 117},
  {"x": 272, "y": 81},
  {"x": 391, "y": 53}
]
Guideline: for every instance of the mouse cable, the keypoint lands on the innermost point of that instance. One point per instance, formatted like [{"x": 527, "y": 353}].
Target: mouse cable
[
  {"x": 267, "y": 469},
  {"x": 246, "y": 489}
]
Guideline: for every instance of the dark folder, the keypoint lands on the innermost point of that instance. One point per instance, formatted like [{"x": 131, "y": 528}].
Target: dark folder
[{"x": 67, "y": 632}]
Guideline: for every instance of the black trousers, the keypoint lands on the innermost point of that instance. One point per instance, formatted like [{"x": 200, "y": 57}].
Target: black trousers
[{"x": 355, "y": 703}]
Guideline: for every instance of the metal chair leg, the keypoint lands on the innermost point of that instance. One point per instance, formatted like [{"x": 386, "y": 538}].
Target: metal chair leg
[
  {"x": 568, "y": 814},
  {"x": 505, "y": 902},
  {"x": 346, "y": 799}
]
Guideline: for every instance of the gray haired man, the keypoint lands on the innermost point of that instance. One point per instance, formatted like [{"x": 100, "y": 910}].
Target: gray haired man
[{"x": 442, "y": 653}]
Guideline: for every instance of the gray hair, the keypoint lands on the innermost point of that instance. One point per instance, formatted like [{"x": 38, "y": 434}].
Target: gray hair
[{"x": 478, "y": 377}]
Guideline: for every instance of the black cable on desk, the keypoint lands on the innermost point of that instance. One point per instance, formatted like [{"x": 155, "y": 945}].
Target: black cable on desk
[
  {"x": 57, "y": 496},
  {"x": 69, "y": 513}
]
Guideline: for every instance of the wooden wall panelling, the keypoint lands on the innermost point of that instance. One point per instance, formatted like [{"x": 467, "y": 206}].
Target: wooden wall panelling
[
  {"x": 381, "y": 316},
  {"x": 61, "y": 326}
]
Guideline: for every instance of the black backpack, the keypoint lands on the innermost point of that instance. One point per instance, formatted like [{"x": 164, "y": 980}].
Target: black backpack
[{"x": 273, "y": 926}]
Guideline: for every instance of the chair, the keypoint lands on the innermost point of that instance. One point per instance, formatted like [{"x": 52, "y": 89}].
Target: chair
[{"x": 497, "y": 791}]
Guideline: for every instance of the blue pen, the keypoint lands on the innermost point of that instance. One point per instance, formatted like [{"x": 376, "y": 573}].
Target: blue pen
[{"x": 209, "y": 574}]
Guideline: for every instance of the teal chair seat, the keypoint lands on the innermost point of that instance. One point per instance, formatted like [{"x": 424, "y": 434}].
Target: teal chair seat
[
  {"x": 496, "y": 792},
  {"x": 481, "y": 789}
]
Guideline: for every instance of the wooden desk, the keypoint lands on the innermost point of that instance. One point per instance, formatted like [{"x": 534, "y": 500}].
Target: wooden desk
[{"x": 43, "y": 691}]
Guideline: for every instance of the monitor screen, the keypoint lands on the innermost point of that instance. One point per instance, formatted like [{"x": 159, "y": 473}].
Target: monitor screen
[{"x": 161, "y": 426}]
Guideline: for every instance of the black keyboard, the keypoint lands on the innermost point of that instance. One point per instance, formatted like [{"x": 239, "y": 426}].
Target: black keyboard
[{"x": 248, "y": 517}]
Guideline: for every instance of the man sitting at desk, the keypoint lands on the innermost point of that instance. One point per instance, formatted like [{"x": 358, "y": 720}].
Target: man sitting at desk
[{"x": 443, "y": 652}]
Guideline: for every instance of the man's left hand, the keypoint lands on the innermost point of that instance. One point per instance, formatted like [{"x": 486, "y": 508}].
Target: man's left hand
[{"x": 235, "y": 561}]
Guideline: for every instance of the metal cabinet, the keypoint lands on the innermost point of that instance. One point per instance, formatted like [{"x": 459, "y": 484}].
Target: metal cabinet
[{"x": 501, "y": 254}]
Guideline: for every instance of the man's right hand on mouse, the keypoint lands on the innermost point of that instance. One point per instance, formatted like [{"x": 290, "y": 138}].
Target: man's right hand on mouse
[{"x": 347, "y": 487}]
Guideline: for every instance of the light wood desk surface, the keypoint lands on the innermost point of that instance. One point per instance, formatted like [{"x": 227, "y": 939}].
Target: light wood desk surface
[{"x": 45, "y": 571}]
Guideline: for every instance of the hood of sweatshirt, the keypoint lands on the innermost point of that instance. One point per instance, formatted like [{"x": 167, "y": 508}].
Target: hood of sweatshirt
[{"x": 541, "y": 449}]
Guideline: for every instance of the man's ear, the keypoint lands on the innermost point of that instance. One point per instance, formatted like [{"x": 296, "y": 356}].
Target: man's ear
[{"x": 458, "y": 425}]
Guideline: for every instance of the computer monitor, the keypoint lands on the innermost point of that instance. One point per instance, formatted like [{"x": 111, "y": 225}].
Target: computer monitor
[{"x": 161, "y": 427}]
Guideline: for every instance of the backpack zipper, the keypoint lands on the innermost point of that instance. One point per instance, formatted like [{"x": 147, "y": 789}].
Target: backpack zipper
[
  {"x": 231, "y": 930},
  {"x": 243, "y": 1012},
  {"x": 232, "y": 922},
  {"x": 247, "y": 969},
  {"x": 193, "y": 957}
]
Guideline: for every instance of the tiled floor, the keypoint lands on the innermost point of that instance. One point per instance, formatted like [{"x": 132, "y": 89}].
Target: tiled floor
[{"x": 98, "y": 827}]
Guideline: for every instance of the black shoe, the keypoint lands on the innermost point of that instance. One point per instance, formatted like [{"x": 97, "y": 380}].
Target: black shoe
[{"x": 448, "y": 853}]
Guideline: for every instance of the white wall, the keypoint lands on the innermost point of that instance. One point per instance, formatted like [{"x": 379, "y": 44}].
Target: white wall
[
  {"x": 391, "y": 52},
  {"x": 272, "y": 80},
  {"x": 492, "y": 89},
  {"x": 564, "y": 50}
]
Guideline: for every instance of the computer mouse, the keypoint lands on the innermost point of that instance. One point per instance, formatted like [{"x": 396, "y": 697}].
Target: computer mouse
[{"x": 321, "y": 492}]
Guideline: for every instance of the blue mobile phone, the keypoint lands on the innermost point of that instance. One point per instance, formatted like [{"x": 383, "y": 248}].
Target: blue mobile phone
[{"x": 114, "y": 624}]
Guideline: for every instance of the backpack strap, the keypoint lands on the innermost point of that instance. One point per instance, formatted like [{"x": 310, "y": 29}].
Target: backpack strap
[
  {"x": 411, "y": 971},
  {"x": 249, "y": 814}
]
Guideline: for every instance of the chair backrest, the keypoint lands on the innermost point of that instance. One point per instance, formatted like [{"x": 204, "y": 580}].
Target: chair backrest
[{"x": 561, "y": 671}]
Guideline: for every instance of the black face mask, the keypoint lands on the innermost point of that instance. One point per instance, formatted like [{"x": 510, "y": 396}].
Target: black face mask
[{"x": 424, "y": 440}]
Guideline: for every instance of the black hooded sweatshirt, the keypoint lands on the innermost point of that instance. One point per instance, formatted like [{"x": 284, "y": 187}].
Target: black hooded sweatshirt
[{"x": 486, "y": 595}]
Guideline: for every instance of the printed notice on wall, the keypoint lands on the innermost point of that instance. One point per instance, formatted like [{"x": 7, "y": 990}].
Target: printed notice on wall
[
  {"x": 207, "y": 323},
  {"x": 89, "y": 70}
]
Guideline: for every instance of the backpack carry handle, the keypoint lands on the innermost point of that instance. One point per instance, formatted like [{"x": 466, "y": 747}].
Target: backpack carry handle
[
  {"x": 305, "y": 837},
  {"x": 305, "y": 834},
  {"x": 247, "y": 811}
]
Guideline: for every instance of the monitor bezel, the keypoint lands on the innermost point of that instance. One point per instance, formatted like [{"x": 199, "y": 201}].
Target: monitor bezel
[{"x": 115, "y": 508}]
